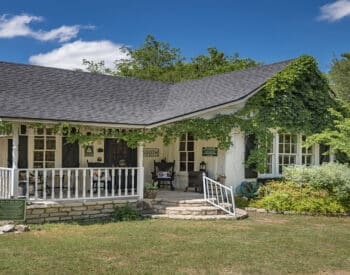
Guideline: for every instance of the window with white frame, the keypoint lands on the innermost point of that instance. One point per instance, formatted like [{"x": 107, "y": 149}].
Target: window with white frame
[
  {"x": 306, "y": 153},
  {"x": 44, "y": 148},
  {"x": 287, "y": 150},
  {"x": 186, "y": 149}
]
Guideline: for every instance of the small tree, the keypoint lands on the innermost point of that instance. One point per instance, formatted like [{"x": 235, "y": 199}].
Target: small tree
[{"x": 340, "y": 76}]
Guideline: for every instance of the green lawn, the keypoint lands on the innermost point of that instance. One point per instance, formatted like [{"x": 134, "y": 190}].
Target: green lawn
[{"x": 261, "y": 244}]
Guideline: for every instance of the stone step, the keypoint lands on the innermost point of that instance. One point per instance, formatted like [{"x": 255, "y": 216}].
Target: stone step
[
  {"x": 190, "y": 217},
  {"x": 240, "y": 214},
  {"x": 193, "y": 210}
]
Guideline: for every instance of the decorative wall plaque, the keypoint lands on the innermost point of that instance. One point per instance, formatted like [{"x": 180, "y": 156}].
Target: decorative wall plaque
[{"x": 151, "y": 152}]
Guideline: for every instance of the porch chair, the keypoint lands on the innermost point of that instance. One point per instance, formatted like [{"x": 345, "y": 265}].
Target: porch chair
[
  {"x": 164, "y": 173},
  {"x": 105, "y": 181}
]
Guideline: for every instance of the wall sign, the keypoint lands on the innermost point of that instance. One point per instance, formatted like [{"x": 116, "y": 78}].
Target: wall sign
[
  {"x": 89, "y": 151},
  {"x": 151, "y": 152},
  {"x": 209, "y": 151},
  {"x": 13, "y": 210}
]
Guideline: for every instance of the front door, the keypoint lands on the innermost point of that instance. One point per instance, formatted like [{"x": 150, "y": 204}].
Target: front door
[
  {"x": 70, "y": 154},
  {"x": 117, "y": 153}
]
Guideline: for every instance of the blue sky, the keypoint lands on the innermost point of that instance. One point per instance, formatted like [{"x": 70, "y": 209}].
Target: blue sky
[{"x": 61, "y": 33}]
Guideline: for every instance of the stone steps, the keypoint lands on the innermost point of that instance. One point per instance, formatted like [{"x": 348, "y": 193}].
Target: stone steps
[{"x": 197, "y": 209}]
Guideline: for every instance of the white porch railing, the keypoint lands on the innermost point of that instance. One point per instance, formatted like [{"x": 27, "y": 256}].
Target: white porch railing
[
  {"x": 6, "y": 190},
  {"x": 219, "y": 195},
  {"x": 74, "y": 183}
]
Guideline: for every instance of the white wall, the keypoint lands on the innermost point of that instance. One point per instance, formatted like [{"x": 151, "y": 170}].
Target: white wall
[
  {"x": 3, "y": 152},
  {"x": 234, "y": 159}
]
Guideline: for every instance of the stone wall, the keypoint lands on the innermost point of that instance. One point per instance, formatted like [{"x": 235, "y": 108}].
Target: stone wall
[{"x": 74, "y": 211}]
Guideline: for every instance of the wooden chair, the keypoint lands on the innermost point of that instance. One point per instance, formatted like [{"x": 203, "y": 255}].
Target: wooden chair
[{"x": 164, "y": 173}]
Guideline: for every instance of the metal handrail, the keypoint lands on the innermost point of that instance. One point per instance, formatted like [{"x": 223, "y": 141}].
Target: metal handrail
[{"x": 219, "y": 195}]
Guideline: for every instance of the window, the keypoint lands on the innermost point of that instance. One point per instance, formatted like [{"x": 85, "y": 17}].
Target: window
[
  {"x": 44, "y": 148},
  {"x": 324, "y": 153},
  {"x": 270, "y": 155},
  {"x": 186, "y": 149},
  {"x": 287, "y": 150},
  {"x": 306, "y": 154}
]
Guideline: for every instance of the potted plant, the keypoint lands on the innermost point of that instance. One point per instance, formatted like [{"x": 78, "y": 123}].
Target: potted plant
[{"x": 151, "y": 190}]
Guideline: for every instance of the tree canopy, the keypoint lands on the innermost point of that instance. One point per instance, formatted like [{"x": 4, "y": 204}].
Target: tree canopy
[
  {"x": 157, "y": 60},
  {"x": 340, "y": 76}
]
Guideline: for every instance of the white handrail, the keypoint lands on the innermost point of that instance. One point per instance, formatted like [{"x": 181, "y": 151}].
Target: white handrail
[{"x": 219, "y": 195}]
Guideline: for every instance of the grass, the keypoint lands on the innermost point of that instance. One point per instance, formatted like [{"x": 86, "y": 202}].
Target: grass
[{"x": 263, "y": 243}]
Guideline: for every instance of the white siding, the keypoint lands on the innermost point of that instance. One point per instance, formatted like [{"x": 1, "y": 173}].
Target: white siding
[
  {"x": 3, "y": 152},
  {"x": 234, "y": 159}
]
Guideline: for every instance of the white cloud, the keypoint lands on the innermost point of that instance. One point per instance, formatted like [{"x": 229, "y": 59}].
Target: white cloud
[
  {"x": 70, "y": 55},
  {"x": 19, "y": 26},
  {"x": 335, "y": 11}
]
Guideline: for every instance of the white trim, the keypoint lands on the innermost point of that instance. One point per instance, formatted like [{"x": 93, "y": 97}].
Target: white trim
[{"x": 210, "y": 109}]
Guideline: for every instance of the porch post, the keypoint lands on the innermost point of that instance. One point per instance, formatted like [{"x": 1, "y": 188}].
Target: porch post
[
  {"x": 140, "y": 171},
  {"x": 14, "y": 177}
]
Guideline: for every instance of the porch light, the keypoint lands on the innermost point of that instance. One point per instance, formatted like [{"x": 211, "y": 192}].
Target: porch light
[{"x": 203, "y": 166}]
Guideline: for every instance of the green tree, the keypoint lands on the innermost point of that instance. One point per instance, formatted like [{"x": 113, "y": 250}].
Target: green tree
[
  {"x": 337, "y": 136},
  {"x": 340, "y": 76},
  {"x": 156, "y": 60}
]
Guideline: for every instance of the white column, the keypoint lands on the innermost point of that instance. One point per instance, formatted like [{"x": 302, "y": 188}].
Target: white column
[
  {"x": 234, "y": 159},
  {"x": 14, "y": 179},
  {"x": 140, "y": 171}
]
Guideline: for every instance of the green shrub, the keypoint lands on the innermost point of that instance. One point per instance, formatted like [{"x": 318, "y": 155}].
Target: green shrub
[
  {"x": 241, "y": 202},
  {"x": 126, "y": 213},
  {"x": 333, "y": 177},
  {"x": 290, "y": 196}
]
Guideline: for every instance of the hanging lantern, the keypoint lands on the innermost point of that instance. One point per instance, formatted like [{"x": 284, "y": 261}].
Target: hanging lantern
[{"x": 203, "y": 166}]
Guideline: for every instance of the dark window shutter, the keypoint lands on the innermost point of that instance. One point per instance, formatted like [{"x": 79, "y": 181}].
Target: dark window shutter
[
  {"x": 70, "y": 154},
  {"x": 250, "y": 145},
  {"x": 22, "y": 152}
]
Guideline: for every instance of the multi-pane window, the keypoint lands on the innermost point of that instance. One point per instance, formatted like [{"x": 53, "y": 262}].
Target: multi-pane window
[
  {"x": 324, "y": 153},
  {"x": 44, "y": 148},
  {"x": 186, "y": 149},
  {"x": 306, "y": 153},
  {"x": 287, "y": 150}
]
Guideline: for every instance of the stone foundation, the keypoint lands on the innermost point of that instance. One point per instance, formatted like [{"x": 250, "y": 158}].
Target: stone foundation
[{"x": 43, "y": 212}]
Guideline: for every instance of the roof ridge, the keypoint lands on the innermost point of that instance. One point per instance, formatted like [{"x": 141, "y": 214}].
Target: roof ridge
[
  {"x": 77, "y": 71},
  {"x": 235, "y": 71}
]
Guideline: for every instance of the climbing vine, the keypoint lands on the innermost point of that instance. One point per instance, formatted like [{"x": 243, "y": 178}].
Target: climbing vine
[{"x": 296, "y": 100}]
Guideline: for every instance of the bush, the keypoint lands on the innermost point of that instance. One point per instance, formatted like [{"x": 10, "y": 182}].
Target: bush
[
  {"x": 332, "y": 177},
  {"x": 290, "y": 196},
  {"x": 126, "y": 213},
  {"x": 241, "y": 202}
]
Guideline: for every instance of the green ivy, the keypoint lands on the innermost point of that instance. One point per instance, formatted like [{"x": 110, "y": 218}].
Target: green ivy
[{"x": 296, "y": 100}]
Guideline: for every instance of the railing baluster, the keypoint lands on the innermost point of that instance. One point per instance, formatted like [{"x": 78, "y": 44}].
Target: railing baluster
[
  {"x": 106, "y": 182},
  {"x": 113, "y": 182},
  {"x": 53, "y": 176},
  {"x": 44, "y": 184},
  {"x": 36, "y": 184},
  {"x": 68, "y": 184},
  {"x": 132, "y": 182},
  {"x": 76, "y": 183},
  {"x": 126, "y": 181},
  {"x": 98, "y": 183},
  {"x": 61, "y": 183},
  {"x": 119, "y": 182},
  {"x": 84, "y": 183},
  {"x": 27, "y": 184},
  {"x": 91, "y": 183}
]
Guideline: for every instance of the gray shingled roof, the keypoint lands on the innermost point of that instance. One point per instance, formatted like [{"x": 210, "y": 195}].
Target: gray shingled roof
[{"x": 35, "y": 92}]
